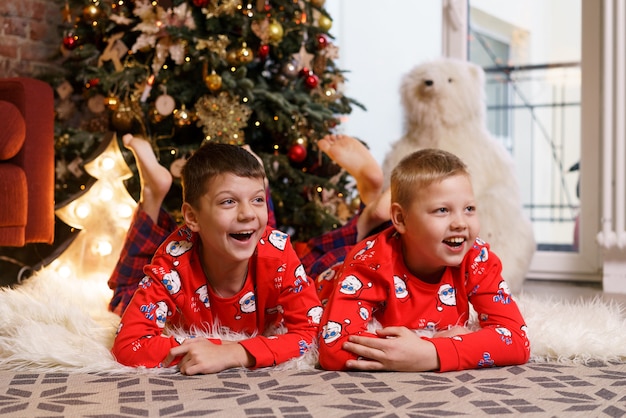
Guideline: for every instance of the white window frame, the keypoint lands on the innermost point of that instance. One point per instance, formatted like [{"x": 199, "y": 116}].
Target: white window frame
[{"x": 584, "y": 265}]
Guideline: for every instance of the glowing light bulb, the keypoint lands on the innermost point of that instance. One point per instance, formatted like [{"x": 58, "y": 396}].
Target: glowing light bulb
[
  {"x": 102, "y": 247},
  {"x": 107, "y": 163},
  {"x": 110, "y": 163},
  {"x": 65, "y": 271},
  {"x": 124, "y": 210},
  {"x": 106, "y": 194},
  {"x": 82, "y": 210}
]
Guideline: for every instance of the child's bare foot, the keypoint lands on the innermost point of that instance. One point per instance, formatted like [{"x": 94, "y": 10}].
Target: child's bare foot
[
  {"x": 155, "y": 179},
  {"x": 374, "y": 214},
  {"x": 356, "y": 159}
]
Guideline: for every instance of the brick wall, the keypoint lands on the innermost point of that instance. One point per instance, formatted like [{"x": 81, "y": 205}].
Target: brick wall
[{"x": 29, "y": 36}]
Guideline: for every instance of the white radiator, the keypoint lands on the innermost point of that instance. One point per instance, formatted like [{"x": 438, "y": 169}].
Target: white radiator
[{"x": 613, "y": 233}]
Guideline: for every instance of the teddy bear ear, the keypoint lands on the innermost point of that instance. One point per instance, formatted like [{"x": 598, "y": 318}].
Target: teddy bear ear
[{"x": 476, "y": 72}]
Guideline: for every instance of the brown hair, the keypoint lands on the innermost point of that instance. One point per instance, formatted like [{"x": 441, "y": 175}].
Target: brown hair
[
  {"x": 213, "y": 159},
  {"x": 420, "y": 169}
]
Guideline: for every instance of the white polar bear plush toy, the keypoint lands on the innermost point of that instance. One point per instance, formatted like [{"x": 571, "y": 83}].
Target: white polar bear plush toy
[{"x": 444, "y": 107}]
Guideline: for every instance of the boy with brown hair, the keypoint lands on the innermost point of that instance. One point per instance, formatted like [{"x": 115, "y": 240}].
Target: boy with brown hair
[{"x": 223, "y": 272}]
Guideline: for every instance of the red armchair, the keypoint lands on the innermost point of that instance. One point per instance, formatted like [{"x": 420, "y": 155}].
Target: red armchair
[{"x": 26, "y": 162}]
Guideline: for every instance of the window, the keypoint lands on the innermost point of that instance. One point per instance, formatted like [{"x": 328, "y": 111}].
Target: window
[{"x": 532, "y": 53}]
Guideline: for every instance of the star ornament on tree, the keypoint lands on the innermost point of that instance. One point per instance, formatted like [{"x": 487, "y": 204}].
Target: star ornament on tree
[
  {"x": 331, "y": 51},
  {"x": 303, "y": 58}
]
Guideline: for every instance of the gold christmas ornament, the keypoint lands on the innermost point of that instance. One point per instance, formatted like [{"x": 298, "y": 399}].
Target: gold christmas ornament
[
  {"x": 330, "y": 93},
  {"x": 355, "y": 204},
  {"x": 240, "y": 56},
  {"x": 62, "y": 141},
  {"x": 325, "y": 23},
  {"x": 231, "y": 57},
  {"x": 223, "y": 117},
  {"x": 91, "y": 13},
  {"x": 245, "y": 54},
  {"x": 213, "y": 81},
  {"x": 182, "y": 117},
  {"x": 275, "y": 32}
]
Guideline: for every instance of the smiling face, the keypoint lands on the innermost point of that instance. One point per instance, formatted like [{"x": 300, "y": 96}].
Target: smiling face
[
  {"x": 438, "y": 226},
  {"x": 230, "y": 218}
]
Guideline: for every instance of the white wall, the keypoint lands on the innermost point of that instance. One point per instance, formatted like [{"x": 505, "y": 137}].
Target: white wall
[{"x": 379, "y": 43}]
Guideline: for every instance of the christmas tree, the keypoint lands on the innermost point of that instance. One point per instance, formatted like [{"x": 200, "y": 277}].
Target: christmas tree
[{"x": 179, "y": 72}]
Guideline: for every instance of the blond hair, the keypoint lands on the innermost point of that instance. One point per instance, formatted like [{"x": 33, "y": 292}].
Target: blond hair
[{"x": 421, "y": 169}]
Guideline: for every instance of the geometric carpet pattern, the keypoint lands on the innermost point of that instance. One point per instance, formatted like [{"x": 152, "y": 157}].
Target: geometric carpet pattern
[{"x": 534, "y": 389}]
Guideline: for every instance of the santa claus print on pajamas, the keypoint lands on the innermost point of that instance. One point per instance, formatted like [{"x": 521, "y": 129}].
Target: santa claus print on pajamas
[
  {"x": 392, "y": 296},
  {"x": 276, "y": 294}
]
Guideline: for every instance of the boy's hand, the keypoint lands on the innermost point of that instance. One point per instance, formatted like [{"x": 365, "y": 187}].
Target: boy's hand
[
  {"x": 201, "y": 356},
  {"x": 399, "y": 349}
]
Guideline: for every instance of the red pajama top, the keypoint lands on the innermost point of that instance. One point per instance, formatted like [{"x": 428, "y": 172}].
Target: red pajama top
[
  {"x": 374, "y": 283},
  {"x": 277, "y": 294}
]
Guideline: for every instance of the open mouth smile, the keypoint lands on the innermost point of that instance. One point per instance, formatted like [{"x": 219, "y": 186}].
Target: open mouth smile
[
  {"x": 454, "y": 242},
  {"x": 242, "y": 236}
]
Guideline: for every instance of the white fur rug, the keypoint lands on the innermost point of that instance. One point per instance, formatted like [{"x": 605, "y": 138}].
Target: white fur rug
[{"x": 51, "y": 324}]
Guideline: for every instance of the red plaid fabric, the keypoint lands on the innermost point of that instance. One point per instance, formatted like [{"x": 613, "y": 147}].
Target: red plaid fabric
[
  {"x": 142, "y": 240},
  {"x": 271, "y": 217},
  {"x": 320, "y": 253}
]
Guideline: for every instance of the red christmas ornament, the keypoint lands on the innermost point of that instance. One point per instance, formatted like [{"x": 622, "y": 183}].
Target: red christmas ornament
[
  {"x": 200, "y": 3},
  {"x": 322, "y": 42},
  {"x": 312, "y": 81},
  {"x": 70, "y": 41},
  {"x": 297, "y": 153},
  {"x": 305, "y": 72},
  {"x": 264, "y": 51}
]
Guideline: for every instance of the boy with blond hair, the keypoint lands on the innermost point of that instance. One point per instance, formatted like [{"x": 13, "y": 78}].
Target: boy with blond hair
[{"x": 417, "y": 280}]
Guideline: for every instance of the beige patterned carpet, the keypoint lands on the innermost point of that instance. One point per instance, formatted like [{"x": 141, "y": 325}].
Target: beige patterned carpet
[
  {"x": 55, "y": 361},
  {"x": 536, "y": 389}
]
